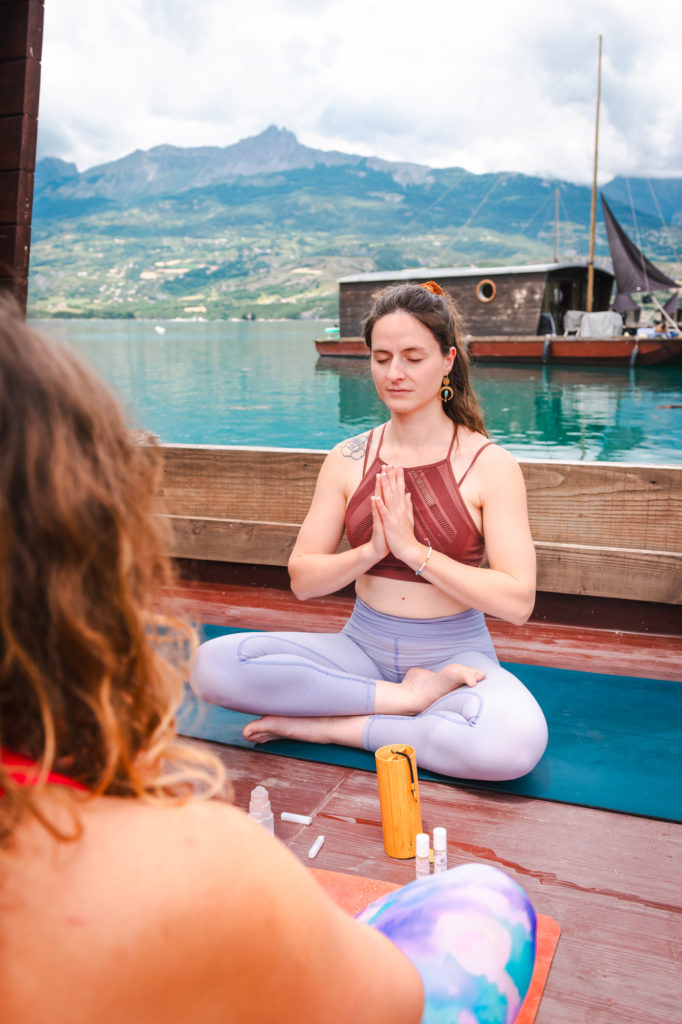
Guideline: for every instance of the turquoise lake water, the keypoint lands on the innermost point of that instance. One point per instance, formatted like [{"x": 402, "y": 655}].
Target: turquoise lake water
[{"x": 262, "y": 384}]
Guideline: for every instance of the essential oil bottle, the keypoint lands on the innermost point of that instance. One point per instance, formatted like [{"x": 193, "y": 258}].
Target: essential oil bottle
[
  {"x": 440, "y": 850},
  {"x": 422, "y": 864}
]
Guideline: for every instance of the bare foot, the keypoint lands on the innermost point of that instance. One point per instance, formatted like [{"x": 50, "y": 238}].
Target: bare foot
[
  {"x": 423, "y": 687},
  {"x": 346, "y": 730},
  {"x": 419, "y": 689}
]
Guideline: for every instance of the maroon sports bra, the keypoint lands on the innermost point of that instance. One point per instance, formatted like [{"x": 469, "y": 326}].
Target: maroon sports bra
[{"x": 441, "y": 519}]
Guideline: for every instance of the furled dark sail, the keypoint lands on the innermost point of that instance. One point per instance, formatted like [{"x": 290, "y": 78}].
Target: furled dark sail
[{"x": 634, "y": 272}]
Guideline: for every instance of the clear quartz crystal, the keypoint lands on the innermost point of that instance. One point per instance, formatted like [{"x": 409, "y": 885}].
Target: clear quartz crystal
[{"x": 260, "y": 809}]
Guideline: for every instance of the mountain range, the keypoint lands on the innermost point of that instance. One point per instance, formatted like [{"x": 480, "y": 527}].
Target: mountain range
[{"x": 265, "y": 227}]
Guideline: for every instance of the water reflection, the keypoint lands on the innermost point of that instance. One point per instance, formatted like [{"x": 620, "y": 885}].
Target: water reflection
[
  {"x": 262, "y": 384},
  {"x": 597, "y": 413},
  {"x": 359, "y": 405},
  {"x": 612, "y": 414}
]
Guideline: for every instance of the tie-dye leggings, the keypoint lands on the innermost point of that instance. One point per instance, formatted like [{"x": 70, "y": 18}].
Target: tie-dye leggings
[
  {"x": 470, "y": 932},
  {"x": 493, "y": 730}
]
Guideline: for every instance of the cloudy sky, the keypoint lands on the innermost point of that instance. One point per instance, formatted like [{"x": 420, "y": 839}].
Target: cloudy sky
[{"x": 488, "y": 85}]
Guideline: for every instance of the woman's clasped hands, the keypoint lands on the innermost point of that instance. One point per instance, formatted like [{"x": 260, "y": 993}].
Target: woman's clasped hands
[{"x": 393, "y": 517}]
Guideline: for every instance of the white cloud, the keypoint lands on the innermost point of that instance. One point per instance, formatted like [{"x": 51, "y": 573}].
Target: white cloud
[{"x": 495, "y": 86}]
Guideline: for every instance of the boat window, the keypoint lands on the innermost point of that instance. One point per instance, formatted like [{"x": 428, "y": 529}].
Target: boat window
[{"x": 485, "y": 290}]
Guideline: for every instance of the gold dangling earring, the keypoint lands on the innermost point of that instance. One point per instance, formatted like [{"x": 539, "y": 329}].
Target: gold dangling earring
[{"x": 446, "y": 391}]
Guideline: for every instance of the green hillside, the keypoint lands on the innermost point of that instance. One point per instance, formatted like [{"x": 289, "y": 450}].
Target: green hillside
[{"x": 266, "y": 227}]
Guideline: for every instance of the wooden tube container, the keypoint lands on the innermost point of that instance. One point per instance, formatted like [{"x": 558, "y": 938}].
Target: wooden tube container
[{"x": 401, "y": 815}]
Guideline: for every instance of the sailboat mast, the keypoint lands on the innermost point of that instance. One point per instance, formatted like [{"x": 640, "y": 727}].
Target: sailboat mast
[
  {"x": 555, "y": 254},
  {"x": 593, "y": 207}
]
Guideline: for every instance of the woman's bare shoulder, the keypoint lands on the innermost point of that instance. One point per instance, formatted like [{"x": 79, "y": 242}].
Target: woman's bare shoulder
[
  {"x": 346, "y": 460},
  {"x": 191, "y": 905},
  {"x": 256, "y": 906},
  {"x": 496, "y": 455},
  {"x": 486, "y": 468},
  {"x": 213, "y": 830},
  {"x": 473, "y": 446},
  {"x": 204, "y": 858},
  {"x": 138, "y": 879},
  {"x": 496, "y": 476},
  {"x": 131, "y": 838},
  {"x": 353, "y": 448}
]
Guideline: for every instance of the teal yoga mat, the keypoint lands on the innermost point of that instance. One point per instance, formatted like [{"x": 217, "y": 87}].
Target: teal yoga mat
[{"x": 615, "y": 742}]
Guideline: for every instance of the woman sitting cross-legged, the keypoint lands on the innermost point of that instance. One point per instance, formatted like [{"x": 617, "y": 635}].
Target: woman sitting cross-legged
[{"x": 419, "y": 498}]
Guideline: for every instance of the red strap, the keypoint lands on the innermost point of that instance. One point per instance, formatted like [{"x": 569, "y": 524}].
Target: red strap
[
  {"x": 369, "y": 443},
  {"x": 381, "y": 440},
  {"x": 25, "y": 772},
  {"x": 482, "y": 448}
]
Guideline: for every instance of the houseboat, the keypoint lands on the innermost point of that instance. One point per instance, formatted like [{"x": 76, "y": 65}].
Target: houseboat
[{"x": 519, "y": 314}]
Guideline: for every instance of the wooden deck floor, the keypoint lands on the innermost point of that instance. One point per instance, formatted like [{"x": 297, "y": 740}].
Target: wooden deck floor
[{"x": 613, "y": 882}]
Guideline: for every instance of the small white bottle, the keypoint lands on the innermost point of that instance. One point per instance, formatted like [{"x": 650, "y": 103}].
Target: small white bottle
[
  {"x": 422, "y": 863},
  {"x": 260, "y": 809},
  {"x": 440, "y": 850}
]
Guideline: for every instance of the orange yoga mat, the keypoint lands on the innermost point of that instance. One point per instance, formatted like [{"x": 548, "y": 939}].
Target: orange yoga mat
[{"x": 354, "y": 893}]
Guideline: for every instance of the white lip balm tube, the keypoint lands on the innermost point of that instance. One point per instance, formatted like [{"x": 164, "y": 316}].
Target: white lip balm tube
[
  {"x": 299, "y": 819},
  {"x": 315, "y": 848}
]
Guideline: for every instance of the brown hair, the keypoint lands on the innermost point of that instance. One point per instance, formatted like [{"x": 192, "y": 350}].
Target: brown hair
[
  {"x": 90, "y": 675},
  {"x": 436, "y": 311}
]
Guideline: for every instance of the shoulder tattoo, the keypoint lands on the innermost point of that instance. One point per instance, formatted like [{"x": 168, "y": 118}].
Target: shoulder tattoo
[{"x": 354, "y": 447}]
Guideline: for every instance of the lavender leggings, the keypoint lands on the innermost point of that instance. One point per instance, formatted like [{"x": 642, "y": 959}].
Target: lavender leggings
[{"x": 494, "y": 730}]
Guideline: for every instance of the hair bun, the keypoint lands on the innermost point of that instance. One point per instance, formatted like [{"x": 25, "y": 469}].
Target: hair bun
[{"x": 431, "y": 286}]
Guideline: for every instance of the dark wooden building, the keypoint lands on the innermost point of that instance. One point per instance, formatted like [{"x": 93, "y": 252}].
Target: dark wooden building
[
  {"x": 495, "y": 301},
  {"x": 21, "y": 37}
]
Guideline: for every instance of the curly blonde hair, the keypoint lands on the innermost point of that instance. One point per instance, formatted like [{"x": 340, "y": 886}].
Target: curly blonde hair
[{"x": 91, "y": 676}]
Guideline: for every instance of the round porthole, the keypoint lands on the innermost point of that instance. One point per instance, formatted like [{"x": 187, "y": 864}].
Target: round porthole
[{"x": 485, "y": 290}]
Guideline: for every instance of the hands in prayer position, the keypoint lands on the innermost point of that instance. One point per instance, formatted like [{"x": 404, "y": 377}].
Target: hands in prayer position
[{"x": 392, "y": 514}]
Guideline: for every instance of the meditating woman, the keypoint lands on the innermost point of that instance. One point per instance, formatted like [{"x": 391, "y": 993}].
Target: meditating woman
[
  {"x": 420, "y": 498},
  {"x": 121, "y": 898}
]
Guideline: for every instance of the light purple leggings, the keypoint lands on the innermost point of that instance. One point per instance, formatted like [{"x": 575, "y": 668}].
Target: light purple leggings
[{"x": 494, "y": 730}]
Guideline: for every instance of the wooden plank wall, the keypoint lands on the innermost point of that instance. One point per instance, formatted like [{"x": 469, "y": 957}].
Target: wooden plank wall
[
  {"x": 21, "y": 38},
  {"x": 517, "y": 303},
  {"x": 515, "y": 309},
  {"x": 600, "y": 529}
]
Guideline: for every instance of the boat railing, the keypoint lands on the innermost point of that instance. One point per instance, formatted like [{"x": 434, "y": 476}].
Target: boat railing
[{"x": 600, "y": 529}]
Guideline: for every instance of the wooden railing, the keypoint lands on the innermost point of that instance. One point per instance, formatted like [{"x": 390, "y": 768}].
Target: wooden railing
[{"x": 604, "y": 530}]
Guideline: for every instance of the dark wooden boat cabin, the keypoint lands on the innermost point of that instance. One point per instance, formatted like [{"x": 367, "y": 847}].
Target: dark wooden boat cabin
[{"x": 495, "y": 301}]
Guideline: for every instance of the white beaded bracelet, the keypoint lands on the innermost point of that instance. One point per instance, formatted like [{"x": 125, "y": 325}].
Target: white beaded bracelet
[{"x": 428, "y": 555}]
